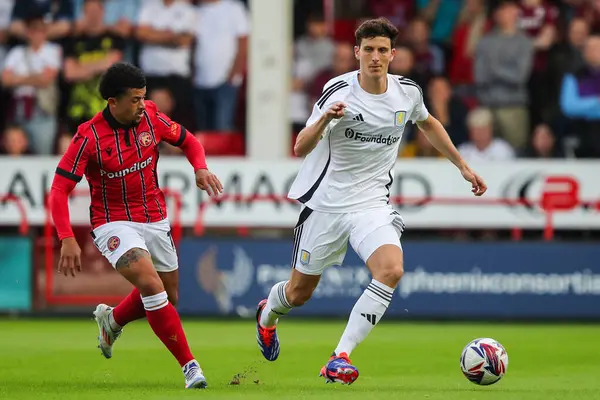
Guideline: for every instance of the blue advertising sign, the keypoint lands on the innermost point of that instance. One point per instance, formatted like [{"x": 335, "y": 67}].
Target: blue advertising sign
[
  {"x": 15, "y": 274},
  {"x": 442, "y": 279}
]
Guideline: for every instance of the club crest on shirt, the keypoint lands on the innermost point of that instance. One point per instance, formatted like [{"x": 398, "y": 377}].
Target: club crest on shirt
[
  {"x": 304, "y": 257},
  {"x": 113, "y": 243},
  {"x": 145, "y": 139},
  {"x": 400, "y": 119}
]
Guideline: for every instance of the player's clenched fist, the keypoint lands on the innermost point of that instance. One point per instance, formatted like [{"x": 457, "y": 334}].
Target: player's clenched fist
[
  {"x": 335, "y": 111},
  {"x": 70, "y": 257},
  {"x": 209, "y": 182}
]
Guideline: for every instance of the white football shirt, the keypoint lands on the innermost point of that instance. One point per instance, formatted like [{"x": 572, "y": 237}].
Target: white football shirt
[{"x": 352, "y": 166}]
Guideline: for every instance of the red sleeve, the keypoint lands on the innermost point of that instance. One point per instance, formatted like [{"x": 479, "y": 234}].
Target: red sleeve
[
  {"x": 68, "y": 173},
  {"x": 176, "y": 135}
]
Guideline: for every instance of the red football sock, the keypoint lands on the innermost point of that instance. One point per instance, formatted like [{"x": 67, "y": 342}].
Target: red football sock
[
  {"x": 129, "y": 309},
  {"x": 166, "y": 325}
]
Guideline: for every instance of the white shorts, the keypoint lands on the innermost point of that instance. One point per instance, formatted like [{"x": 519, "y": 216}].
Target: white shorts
[
  {"x": 116, "y": 238},
  {"x": 321, "y": 239}
]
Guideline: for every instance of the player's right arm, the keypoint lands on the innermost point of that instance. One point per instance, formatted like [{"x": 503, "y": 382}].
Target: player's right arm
[
  {"x": 68, "y": 173},
  {"x": 309, "y": 137}
]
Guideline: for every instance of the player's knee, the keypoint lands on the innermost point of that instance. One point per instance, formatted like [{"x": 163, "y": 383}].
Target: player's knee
[
  {"x": 150, "y": 285},
  {"x": 391, "y": 274}
]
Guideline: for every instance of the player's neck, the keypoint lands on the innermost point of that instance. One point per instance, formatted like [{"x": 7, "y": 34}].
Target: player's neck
[
  {"x": 117, "y": 119},
  {"x": 373, "y": 85}
]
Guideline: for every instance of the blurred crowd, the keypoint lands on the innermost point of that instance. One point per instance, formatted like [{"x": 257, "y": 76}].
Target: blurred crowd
[
  {"x": 53, "y": 52},
  {"x": 506, "y": 78}
]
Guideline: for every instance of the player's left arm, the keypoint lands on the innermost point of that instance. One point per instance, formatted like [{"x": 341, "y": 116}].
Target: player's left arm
[
  {"x": 438, "y": 136},
  {"x": 176, "y": 135}
]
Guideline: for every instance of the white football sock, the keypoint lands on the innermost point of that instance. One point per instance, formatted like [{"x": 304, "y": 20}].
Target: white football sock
[
  {"x": 367, "y": 312},
  {"x": 113, "y": 324},
  {"x": 277, "y": 305}
]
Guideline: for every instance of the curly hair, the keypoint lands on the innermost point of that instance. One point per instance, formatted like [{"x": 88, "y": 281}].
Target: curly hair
[{"x": 119, "y": 78}]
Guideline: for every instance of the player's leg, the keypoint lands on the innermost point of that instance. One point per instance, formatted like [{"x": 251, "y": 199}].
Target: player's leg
[
  {"x": 376, "y": 239},
  {"x": 113, "y": 240},
  {"x": 164, "y": 254},
  {"x": 320, "y": 240}
]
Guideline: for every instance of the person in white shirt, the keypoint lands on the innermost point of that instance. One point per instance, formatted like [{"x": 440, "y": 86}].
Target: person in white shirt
[
  {"x": 351, "y": 143},
  {"x": 222, "y": 30},
  {"x": 166, "y": 32},
  {"x": 482, "y": 146},
  {"x": 31, "y": 72}
]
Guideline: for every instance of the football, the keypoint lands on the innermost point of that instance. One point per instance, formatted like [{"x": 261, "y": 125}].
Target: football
[{"x": 484, "y": 361}]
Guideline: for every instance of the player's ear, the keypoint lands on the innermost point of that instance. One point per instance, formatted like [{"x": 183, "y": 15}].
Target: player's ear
[
  {"x": 356, "y": 52},
  {"x": 393, "y": 53}
]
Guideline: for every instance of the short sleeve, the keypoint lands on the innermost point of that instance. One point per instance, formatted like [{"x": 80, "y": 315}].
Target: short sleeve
[
  {"x": 145, "y": 15},
  {"x": 242, "y": 23},
  {"x": 73, "y": 163},
  {"x": 13, "y": 58},
  {"x": 165, "y": 128},
  {"x": 187, "y": 24},
  {"x": 53, "y": 58},
  {"x": 332, "y": 93},
  {"x": 419, "y": 112}
]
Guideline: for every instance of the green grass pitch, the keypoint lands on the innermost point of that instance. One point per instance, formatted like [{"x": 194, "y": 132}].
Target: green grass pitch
[{"x": 51, "y": 359}]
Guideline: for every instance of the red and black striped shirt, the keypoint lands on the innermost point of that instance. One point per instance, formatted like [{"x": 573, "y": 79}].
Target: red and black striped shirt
[{"x": 120, "y": 166}]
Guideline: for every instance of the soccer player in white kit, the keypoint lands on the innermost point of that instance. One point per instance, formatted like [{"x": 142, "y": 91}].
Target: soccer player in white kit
[{"x": 351, "y": 144}]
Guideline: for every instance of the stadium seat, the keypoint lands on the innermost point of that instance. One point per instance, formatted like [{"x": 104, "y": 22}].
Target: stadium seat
[{"x": 222, "y": 143}]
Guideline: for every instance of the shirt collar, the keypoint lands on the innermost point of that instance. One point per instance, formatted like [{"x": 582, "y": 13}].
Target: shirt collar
[{"x": 112, "y": 121}]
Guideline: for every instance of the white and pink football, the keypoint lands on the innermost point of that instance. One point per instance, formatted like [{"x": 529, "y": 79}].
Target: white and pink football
[{"x": 484, "y": 361}]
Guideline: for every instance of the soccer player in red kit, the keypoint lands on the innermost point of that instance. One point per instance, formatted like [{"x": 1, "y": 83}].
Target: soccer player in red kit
[{"x": 117, "y": 150}]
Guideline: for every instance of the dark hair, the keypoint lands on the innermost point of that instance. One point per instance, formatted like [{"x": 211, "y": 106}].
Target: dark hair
[
  {"x": 376, "y": 27},
  {"x": 119, "y": 78},
  {"x": 34, "y": 15}
]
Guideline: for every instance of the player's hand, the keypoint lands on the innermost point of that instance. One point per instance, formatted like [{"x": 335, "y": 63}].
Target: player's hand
[
  {"x": 70, "y": 257},
  {"x": 209, "y": 182},
  {"x": 478, "y": 185},
  {"x": 335, "y": 111}
]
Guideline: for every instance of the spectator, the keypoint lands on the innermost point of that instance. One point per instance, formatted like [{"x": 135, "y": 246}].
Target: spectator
[
  {"x": 503, "y": 62},
  {"x": 87, "y": 55},
  {"x": 403, "y": 64},
  {"x": 64, "y": 140},
  {"x": 166, "y": 32},
  {"x": 482, "y": 145},
  {"x": 564, "y": 57},
  {"x": 59, "y": 12},
  {"x": 222, "y": 29},
  {"x": 543, "y": 144},
  {"x": 580, "y": 100},
  {"x": 14, "y": 142},
  {"x": 31, "y": 71},
  {"x": 419, "y": 147},
  {"x": 343, "y": 61},
  {"x": 120, "y": 18},
  {"x": 399, "y": 12},
  {"x": 472, "y": 25},
  {"x": 441, "y": 15},
  {"x": 448, "y": 109},
  {"x": 315, "y": 48},
  {"x": 589, "y": 10},
  {"x": 429, "y": 58},
  {"x": 6, "y": 8},
  {"x": 538, "y": 19}
]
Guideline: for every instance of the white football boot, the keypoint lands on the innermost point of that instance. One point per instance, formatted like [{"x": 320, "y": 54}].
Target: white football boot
[
  {"x": 107, "y": 336},
  {"x": 194, "y": 377}
]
